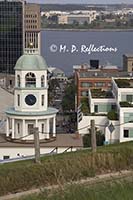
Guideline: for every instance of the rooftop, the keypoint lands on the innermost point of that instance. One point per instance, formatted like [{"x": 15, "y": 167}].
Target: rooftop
[
  {"x": 99, "y": 93},
  {"x": 6, "y": 100},
  {"x": 124, "y": 83},
  {"x": 31, "y": 62},
  {"x": 129, "y": 55},
  {"x": 101, "y": 74}
]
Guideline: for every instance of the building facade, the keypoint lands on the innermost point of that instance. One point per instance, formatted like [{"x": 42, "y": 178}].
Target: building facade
[
  {"x": 71, "y": 19},
  {"x": 32, "y": 26},
  {"x": 128, "y": 62},
  {"x": 101, "y": 78},
  {"x": 31, "y": 101},
  {"x": 119, "y": 101},
  {"x": 11, "y": 34},
  {"x": 20, "y": 24}
]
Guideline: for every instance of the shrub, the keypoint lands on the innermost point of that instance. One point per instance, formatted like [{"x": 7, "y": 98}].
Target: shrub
[
  {"x": 123, "y": 83},
  {"x": 112, "y": 115},
  {"x": 100, "y": 138},
  {"x": 125, "y": 104}
]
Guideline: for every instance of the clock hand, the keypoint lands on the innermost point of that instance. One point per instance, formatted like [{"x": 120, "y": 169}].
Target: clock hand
[{"x": 31, "y": 100}]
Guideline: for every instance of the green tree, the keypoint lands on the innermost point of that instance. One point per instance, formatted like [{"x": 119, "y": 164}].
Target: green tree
[
  {"x": 85, "y": 24},
  {"x": 53, "y": 85},
  {"x": 100, "y": 138},
  {"x": 85, "y": 105},
  {"x": 68, "y": 101}
]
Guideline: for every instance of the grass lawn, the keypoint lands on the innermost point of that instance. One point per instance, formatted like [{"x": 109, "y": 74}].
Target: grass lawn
[
  {"x": 116, "y": 190},
  {"x": 63, "y": 168}
]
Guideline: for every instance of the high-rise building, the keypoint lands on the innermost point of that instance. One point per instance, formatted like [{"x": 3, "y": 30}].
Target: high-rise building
[
  {"x": 11, "y": 33},
  {"x": 128, "y": 62},
  {"x": 32, "y": 26}
]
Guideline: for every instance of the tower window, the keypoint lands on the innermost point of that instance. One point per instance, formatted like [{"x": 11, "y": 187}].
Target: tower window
[
  {"x": 30, "y": 80},
  {"x": 42, "y": 128},
  {"x": 18, "y": 100},
  {"x": 18, "y": 80},
  {"x": 18, "y": 127},
  {"x": 42, "y": 81},
  {"x": 42, "y": 100}
]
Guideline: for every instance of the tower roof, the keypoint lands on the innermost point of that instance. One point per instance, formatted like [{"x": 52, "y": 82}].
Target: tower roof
[{"x": 31, "y": 62}]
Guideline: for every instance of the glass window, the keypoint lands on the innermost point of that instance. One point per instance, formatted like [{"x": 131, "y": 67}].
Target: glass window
[
  {"x": 30, "y": 128},
  {"x": 105, "y": 107},
  {"x": 18, "y": 81},
  {"x": 6, "y": 157},
  {"x": 96, "y": 108},
  {"x": 84, "y": 93},
  {"x": 42, "y": 81},
  {"x": 86, "y": 84},
  {"x": 99, "y": 84},
  {"x": 18, "y": 127},
  {"x": 113, "y": 107},
  {"x": 42, "y": 100},
  {"x": 18, "y": 100},
  {"x": 126, "y": 133},
  {"x": 42, "y": 128},
  {"x": 129, "y": 98},
  {"x": 11, "y": 34},
  {"x": 128, "y": 117},
  {"x": 131, "y": 132},
  {"x": 30, "y": 80}
]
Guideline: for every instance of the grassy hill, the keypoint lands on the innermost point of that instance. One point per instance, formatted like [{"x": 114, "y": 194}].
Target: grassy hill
[
  {"x": 67, "y": 167},
  {"x": 122, "y": 190}
]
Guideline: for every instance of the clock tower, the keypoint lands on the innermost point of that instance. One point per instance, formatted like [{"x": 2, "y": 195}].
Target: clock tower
[{"x": 31, "y": 100}]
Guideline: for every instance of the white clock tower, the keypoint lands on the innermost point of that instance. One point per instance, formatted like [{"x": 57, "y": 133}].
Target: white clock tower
[{"x": 31, "y": 100}]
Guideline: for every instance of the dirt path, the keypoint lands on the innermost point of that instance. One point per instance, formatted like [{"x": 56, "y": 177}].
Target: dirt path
[{"x": 95, "y": 180}]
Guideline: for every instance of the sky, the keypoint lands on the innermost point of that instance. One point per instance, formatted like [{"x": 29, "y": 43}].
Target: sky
[{"x": 82, "y": 1}]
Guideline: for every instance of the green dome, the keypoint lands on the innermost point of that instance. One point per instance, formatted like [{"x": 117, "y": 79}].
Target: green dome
[{"x": 31, "y": 62}]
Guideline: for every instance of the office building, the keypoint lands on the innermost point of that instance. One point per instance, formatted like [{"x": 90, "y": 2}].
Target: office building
[
  {"x": 32, "y": 26},
  {"x": 128, "y": 62},
  {"x": 11, "y": 34},
  {"x": 86, "y": 78}
]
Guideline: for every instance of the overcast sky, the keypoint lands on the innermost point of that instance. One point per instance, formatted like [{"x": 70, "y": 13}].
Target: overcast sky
[{"x": 81, "y": 1}]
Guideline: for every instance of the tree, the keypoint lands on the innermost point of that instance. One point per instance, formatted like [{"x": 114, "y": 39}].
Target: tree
[
  {"x": 85, "y": 105},
  {"x": 100, "y": 138},
  {"x": 53, "y": 85},
  {"x": 86, "y": 24},
  {"x": 68, "y": 101}
]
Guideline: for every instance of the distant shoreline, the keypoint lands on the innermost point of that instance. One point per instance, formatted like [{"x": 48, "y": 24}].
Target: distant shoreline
[{"x": 89, "y": 30}]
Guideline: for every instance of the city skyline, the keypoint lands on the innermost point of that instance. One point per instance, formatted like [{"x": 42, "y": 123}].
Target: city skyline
[{"x": 81, "y": 1}]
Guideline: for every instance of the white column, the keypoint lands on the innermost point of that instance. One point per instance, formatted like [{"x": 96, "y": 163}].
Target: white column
[
  {"x": 39, "y": 43},
  {"x": 45, "y": 81},
  {"x": 47, "y": 129},
  {"x": 54, "y": 127},
  {"x": 24, "y": 132},
  {"x": 7, "y": 127},
  {"x": 36, "y": 123},
  {"x": 13, "y": 132}
]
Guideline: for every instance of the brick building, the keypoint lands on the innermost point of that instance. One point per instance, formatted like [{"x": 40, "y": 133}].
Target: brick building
[
  {"x": 94, "y": 78},
  {"x": 32, "y": 26}
]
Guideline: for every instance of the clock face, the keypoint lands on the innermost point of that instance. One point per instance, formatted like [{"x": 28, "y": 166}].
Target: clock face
[{"x": 30, "y": 99}]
